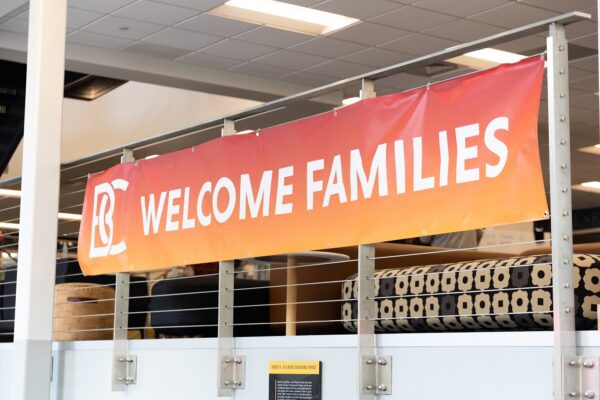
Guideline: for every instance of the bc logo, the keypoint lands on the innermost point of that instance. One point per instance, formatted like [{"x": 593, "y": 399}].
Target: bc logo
[{"x": 102, "y": 221}]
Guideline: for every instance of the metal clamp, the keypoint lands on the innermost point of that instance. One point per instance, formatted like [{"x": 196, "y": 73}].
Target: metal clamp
[
  {"x": 126, "y": 370},
  {"x": 233, "y": 372},
  {"x": 377, "y": 375},
  {"x": 587, "y": 371}
]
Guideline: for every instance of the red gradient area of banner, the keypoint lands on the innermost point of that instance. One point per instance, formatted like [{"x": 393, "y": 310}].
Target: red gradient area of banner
[{"x": 516, "y": 194}]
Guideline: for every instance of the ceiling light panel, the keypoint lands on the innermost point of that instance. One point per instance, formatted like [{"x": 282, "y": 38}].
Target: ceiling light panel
[
  {"x": 285, "y": 16},
  {"x": 486, "y": 58}
]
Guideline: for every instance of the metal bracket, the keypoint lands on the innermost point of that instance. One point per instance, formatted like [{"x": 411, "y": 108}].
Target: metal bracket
[
  {"x": 126, "y": 370},
  {"x": 587, "y": 371},
  {"x": 233, "y": 372},
  {"x": 377, "y": 375}
]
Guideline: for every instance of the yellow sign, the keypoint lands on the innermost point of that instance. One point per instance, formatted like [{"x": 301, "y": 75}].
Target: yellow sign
[{"x": 294, "y": 367}]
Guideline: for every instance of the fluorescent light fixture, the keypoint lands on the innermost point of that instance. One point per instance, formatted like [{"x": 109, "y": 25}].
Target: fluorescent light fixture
[
  {"x": 486, "y": 58},
  {"x": 247, "y": 131},
  {"x": 150, "y": 157},
  {"x": 595, "y": 149},
  {"x": 350, "y": 100},
  {"x": 69, "y": 217},
  {"x": 280, "y": 15},
  {"x": 9, "y": 225},
  {"x": 591, "y": 186},
  {"x": 10, "y": 193}
]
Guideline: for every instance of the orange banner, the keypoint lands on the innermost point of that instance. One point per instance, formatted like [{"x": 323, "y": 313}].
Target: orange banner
[{"x": 457, "y": 155}]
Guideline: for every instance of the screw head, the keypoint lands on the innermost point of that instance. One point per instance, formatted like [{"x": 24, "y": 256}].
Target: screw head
[
  {"x": 567, "y": 310},
  {"x": 227, "y": 383},
  {"x": 370, "y": 387},
  {"x": 572, "y": 363},
  {"x": 382, "y": 361},
  {"x": 382, "y": 388},
  {"x": 369, "y": 362},
  {"x": 588, "y": 364},
  {"x": 237, "y": 383},
  {"x": 561, "y": 48},
  {"x": 572, "y": 394},
  {"x": 237, "y": 360},
  {"x": 589, "y": 394}
]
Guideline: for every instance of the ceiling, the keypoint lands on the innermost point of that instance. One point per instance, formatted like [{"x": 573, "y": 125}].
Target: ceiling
[{"x": 133, "y": 39}]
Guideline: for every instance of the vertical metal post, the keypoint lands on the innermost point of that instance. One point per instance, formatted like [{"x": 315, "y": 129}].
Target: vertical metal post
[
  {"x": 32, "y": 354},
  {"x": 566, "y": 365},
  {"x": 230, "y": 367},
  {"x": 366, "y": 326},
  {"x": 124, "y": 365}
]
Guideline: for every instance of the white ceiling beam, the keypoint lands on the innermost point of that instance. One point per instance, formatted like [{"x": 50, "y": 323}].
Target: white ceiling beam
[{"x": 127, "y": 66}]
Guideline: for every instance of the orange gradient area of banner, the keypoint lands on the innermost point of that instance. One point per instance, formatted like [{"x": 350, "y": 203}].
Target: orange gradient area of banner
[{"x": 457, "y": 155}]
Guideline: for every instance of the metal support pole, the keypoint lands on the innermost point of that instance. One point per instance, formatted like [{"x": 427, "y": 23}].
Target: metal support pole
[
  {"x": 566, "y": 365},
  {"x": 32, "y": 354},
  {"x": 366, "y": 327},
  {"x": 124, "y": 365},
  {"x": 231, "y": 368}
]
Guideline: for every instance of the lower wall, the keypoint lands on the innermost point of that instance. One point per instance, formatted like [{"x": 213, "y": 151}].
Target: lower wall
[{"x": 465, "y": 366}]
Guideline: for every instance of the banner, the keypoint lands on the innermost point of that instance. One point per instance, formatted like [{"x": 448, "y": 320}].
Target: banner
[{"x": 457, "y": 155}]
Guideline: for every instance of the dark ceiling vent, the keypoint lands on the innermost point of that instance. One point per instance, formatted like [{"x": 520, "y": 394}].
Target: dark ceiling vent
[
  {"x": 88, "y": 87},
  {"x": 434, "y": 69},
  {"x": 12, "y": 101}
]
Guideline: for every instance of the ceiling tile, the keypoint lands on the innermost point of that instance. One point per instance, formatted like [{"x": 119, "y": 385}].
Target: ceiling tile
[
  {"x": 523, "y": 45},
  {"x": 377, "y": 58},
  {"x": 460, "y": 8},
  {"x": 208, "y": 60},
  {"x": 358, "y": 9},
  {"x": 304, "y": 3},
  {"x": 586, "y": 64},
  {"x": 420, "y": 44},
  {"x": 154, "y": 50},
  {"x": 581, "y": 28},
  {"x": 291, "y": 60},
  {"x": 327, "y": 47},
  {"x": 103, "y": 6},
  {"x": 237, "y": 49},
  {"x": 370, "y": 34},
  {"x": 14, "y": 25},
  {"x": 76, "y": 18},
  {"x": 200, "y": 5},
  {"x": 158, "y": 13},
  {"x": 273, "y": 37},
  {"x": 339, "y": 69},
  {"x": 262, "y": 70},
  {"x": 403, "y": 81},
  {"x": 412, "y": 19},
  {"x": 111, "y": 25},
  {"x": 561, "y": 6},
  {"x": 180, "y": 39},
  {"x": 463, "y": 30},
  {"x": 97, "y": 40},
  {"x": 590, "y": 41},
  {"x": 217, "y": 26},
  {"x": 513, "y": 15},
  {"x": 307, "y": 79}
]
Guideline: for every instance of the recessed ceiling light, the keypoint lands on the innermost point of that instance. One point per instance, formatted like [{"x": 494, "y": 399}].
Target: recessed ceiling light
[
  {"x": 350, "y": 100},
  {"x": 486, "y": 58},
  {"x": 282, "y": 15}
]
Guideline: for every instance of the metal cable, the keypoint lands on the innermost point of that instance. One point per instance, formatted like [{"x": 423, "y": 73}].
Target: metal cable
[
  {"x": 301, "y": 266},
  {"x": 457, "y": 250}
]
